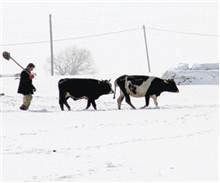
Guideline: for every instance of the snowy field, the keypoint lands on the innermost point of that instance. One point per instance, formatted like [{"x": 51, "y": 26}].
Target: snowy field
[{"x": 176, "y": 142}]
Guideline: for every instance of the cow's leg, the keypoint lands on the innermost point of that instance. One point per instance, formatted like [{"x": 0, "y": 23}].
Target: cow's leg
[
  {"x": 94, "y": 104},
  {"x": 120, "y": 99},
  {"x": 147, "y": 97},
  {"x": 128, "y": 100},
  {"x": 61, "y": 99},
  {"x": 66, "y": 104},
  {"x": 127, "y": 97},
  {"x": 154, "y": 97},
  {"x": 88, "y": 104},
  {"x": 61, "y": 104}
]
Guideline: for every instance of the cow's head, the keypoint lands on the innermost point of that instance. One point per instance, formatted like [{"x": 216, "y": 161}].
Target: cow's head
[
  {"x": 171, "y": 85},
  {"x": 106, "y": 86}
]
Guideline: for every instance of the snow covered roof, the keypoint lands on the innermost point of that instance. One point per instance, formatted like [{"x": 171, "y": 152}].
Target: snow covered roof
[{"x": 183, "y": 74}]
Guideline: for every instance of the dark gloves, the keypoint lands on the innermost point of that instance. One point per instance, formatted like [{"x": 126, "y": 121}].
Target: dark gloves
[{"x": 34, "y": 89}]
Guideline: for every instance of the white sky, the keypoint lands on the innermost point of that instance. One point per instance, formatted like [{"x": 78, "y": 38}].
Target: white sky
[{"x": 118, "y": 53}]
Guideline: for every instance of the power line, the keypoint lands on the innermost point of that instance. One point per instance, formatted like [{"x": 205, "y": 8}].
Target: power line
[
  {"x": 181, "y": 32},
  {"x": 98, "y": 35},
  {"x": 73, "y": 38},
  {"x": 110, "y": 33},
  {"x": 24, "y": 43}
]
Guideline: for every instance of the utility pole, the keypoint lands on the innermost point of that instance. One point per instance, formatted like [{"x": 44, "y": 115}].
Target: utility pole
[
  {"x": 51, "y": 45},
  {"x": 145, "y": 39}
]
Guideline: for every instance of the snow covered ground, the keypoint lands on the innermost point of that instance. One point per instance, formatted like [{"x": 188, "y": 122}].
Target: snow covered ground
[{"x": 177, "y": 142}]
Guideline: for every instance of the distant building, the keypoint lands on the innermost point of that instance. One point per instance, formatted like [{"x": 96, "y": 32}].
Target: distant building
[{"x": 205, "y": 74}]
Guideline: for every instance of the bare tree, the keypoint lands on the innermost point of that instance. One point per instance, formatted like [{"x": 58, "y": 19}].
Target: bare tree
[{"x": 74, "y": 61}]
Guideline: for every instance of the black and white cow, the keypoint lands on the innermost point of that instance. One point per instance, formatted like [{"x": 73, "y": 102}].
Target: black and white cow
[
  {"x": 142, "y": 86},
  {"x": 82, "y": 88}
]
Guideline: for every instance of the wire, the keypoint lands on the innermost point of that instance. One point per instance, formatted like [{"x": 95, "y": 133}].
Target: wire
[
  {"x": 187, "y": 33},
  {"x": 72, "y": 38},
  {"x": 24, "y": 43},
  {"x": 110, "y": 33},
  {"x": 97, "y": 35}
]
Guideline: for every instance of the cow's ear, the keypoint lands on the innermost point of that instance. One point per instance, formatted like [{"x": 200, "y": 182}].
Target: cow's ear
[{"x": 109, "y": 80}]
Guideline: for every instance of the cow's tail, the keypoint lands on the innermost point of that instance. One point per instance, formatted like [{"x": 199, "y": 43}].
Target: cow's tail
[
  {"x": 115, "y": 85},
  {"x": 61, "y": 93}
]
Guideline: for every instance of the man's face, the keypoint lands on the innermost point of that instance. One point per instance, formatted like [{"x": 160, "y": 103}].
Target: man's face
[{"x": 31, "y": 69}]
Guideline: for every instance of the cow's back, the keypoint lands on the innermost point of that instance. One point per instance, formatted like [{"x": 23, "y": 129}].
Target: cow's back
[{"x": 78, "y": 87}]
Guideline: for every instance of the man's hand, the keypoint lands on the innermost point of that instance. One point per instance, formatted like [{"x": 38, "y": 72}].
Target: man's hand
[{"x": 31, "y": 76}]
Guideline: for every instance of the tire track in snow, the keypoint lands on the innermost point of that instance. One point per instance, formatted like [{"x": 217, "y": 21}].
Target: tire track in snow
[{"x": 107, "y": 145}]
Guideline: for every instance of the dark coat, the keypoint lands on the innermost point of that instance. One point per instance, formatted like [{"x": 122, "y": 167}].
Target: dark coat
[{"x": 25, "y": 85}]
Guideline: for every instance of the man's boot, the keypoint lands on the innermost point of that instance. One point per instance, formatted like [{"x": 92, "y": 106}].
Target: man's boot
[{"x": 23, "y": 107}]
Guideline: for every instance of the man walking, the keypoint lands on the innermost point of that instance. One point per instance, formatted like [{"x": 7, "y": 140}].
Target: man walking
[{"x": 26, "y": 87}]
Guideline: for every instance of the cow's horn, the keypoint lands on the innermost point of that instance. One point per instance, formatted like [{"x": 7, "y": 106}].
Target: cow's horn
[{"x": 166, "y": 81}]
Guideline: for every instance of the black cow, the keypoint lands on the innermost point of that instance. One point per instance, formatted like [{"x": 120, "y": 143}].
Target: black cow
[
  {"x": 142, "y": 86},
  {"x": 81, "y": 88}
]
